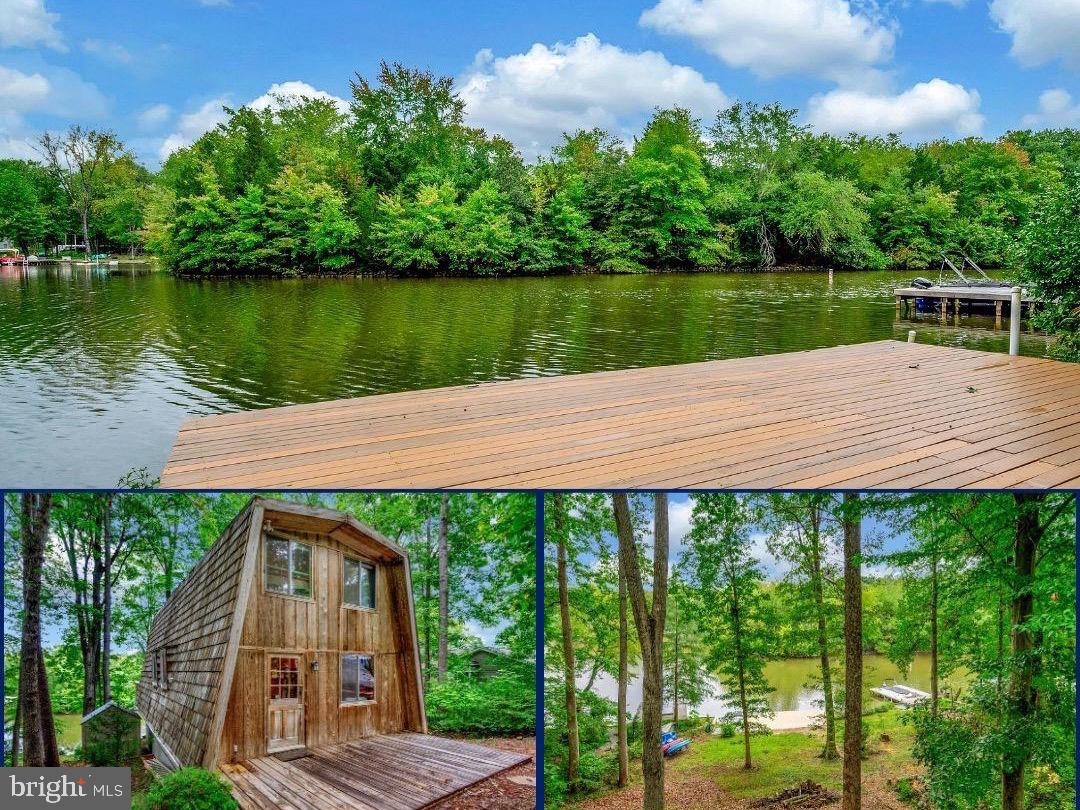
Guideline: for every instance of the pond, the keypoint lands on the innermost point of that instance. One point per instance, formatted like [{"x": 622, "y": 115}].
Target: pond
[
  {"x": 795, "y": 684},
  {"x": 98, "y": 369}
]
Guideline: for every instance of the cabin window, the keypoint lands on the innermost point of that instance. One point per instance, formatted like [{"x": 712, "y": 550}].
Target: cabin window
[
  {"x": 163, "y": 668},
  {"x": 357, "y": 679},
  {"x": 284, "y": 677},
  {"x": 155, "y": 659},
  {"x": 288, "y": 567},
  {"x": 358, "y": 588}
]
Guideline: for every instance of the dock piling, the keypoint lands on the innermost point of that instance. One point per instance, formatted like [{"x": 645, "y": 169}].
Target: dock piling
[
  {"x": 911, "y": 336},
  {"x": 1014, "y": 321}
]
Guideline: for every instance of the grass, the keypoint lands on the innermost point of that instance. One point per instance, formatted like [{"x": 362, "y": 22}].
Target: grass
[
  {"x": 787, "y": 758},
  {"x": 711, "y": 774}
]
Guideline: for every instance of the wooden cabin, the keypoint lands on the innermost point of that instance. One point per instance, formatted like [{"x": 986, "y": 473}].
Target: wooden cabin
[{"x": 295, "y": 630}]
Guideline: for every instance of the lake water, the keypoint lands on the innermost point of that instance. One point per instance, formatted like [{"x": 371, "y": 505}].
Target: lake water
[
  {"x": 794, "y": 682},
  {"x": 98, "y": 370}
]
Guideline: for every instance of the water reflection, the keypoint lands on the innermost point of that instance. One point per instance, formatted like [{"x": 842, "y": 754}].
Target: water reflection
[{"x": 98, "y": 369}]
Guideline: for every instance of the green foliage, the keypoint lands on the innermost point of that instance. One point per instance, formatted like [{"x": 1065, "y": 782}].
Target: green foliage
[
  {"x": 188, "y": 789},
  {"x": 401, "y": 185},
  {"x": 503, "y": 705},
  {"x": 1049, "y": 259}
]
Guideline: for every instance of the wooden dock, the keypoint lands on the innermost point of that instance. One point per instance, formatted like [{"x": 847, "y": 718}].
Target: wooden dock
[
  {"x": 885, "y": 414},
  {"x": 386, "y": 772},
  {"x": 907, "y": 299}
]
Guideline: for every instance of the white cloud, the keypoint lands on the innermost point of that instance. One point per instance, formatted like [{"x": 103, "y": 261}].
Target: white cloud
[
  {"x": 533, "y": 97},
  {"x": 22, "y": 92},
  {"x": 826, "y": 38},
  {"x": 108, "y": 51},
  {"x": 26, "y": 23},
  {"x": 1056, "y": 109},
  {"x": 50, "y": 91},
  {"x": 154, "y": 116},
  {"x": 193, "y": 124},
  {"x": 1041, "y": 30},
  {"x": 282, "y": 93},
  {"x": 927, "y": 109}
]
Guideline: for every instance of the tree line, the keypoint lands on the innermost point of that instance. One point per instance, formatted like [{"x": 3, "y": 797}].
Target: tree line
[
  {"x": 399, "y": 183},
  {"x": 984, "y": 587},
  {"x": 95, "y": 568}
]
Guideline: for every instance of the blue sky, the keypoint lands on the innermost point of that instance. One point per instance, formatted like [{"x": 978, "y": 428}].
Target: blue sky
[{"x": 158, "y": 72}]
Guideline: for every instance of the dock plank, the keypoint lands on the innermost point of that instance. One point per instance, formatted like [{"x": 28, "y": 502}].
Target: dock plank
[{"x": 882, "y": 415}]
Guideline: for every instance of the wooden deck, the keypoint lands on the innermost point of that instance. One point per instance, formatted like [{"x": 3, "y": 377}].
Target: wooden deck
[
  {"x": 387, "y": 772},
  {"x": 875, "y": 415}
]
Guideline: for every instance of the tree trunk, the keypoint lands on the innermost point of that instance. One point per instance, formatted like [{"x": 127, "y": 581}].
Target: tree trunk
[
  {"x": 650, "y": 630},
  {"x": 569, "y": 669},
  {"x": 85, "y": 216},
  {"x": 740, "y": 658},
  {"x": 444, "y": 583},
  {"x": 624, "y": 677},
  {"x": 934, "y": 689},
  {"x": 853, "y": 655},
  {"x": 106, "y": 613},
  {"x": 675, "y": 684},
  {"x": 1021, "y": 694},
  {"x": 39, "y": 733},
  {"x": 427, "y": 605},
  {"x": 829, "y": 751}
]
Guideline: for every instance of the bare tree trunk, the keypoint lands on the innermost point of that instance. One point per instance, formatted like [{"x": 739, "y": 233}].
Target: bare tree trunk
[
  {"x": 573, "y": 754},
  {"x": 853, "y": 655},
  {"x": 444, "y": 583},
  {"x": 675, "y": 685},
  {"x": 1021, "y": 694},
  {"x": 740, "y": 657},
  {"x": 427, "y": 605},
  {"x": 650, "y": 630},
  {"x": 829, "y": 751},
  {"x": 39, "y": 733},
  {"x": 624, "y": 677}
]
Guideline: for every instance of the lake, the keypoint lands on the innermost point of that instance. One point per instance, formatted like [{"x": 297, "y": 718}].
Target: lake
[
  {"x": 98, "y": 369},
  {"x": 793, "y": 681}
]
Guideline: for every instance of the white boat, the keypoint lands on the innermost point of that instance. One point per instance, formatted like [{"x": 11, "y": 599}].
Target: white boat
[{"x": 900, "y": 694}]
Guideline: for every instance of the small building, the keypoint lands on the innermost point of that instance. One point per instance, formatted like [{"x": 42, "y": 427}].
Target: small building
[
  {"x": 287, "y": 660},
  {"x": 111, "y": 734},
  {"x": 295, "y": 630}
]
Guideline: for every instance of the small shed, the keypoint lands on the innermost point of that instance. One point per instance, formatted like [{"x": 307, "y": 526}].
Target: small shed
[
  {"x": 111, "y": 734},
  {"x": 295, "y": 630}
]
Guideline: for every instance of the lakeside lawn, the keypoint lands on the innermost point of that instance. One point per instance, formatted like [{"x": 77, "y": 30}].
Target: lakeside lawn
[{"x": 710, "y": 773}]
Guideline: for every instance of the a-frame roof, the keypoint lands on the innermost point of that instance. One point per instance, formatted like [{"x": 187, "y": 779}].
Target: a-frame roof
[{"x": 201, "y": 623}]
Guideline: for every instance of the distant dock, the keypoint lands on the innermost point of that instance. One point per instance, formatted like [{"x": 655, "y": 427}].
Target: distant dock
[
  {"x": 875, "y": 415},
  {"x": 959, "y": 299}
]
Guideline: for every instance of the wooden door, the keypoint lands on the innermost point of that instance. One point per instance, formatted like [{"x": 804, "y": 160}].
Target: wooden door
[{"x": 285, "y": 718}]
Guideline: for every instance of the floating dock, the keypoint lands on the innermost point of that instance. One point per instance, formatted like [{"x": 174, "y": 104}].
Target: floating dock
[
  {"x": 876, "y": 415},
  {"x": 907, "y": 299},
  {"x": 901, "y": 695}
]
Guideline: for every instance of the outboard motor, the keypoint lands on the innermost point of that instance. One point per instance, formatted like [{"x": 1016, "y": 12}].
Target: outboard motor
[{"x": 921, "y": 283}]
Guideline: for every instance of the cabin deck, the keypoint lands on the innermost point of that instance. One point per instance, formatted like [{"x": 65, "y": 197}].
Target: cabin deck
[
  {"x": 386, "y": 772},
  {"x": 885, "y": 414}
]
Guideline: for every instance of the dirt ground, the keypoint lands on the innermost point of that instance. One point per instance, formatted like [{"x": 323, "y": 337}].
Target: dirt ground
[
  {"x": 514, "y": 789},
  {"x": 689, "y": 792}
]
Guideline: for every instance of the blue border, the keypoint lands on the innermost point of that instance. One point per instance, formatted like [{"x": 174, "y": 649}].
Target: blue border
[{"x": 539, "y": 657}]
